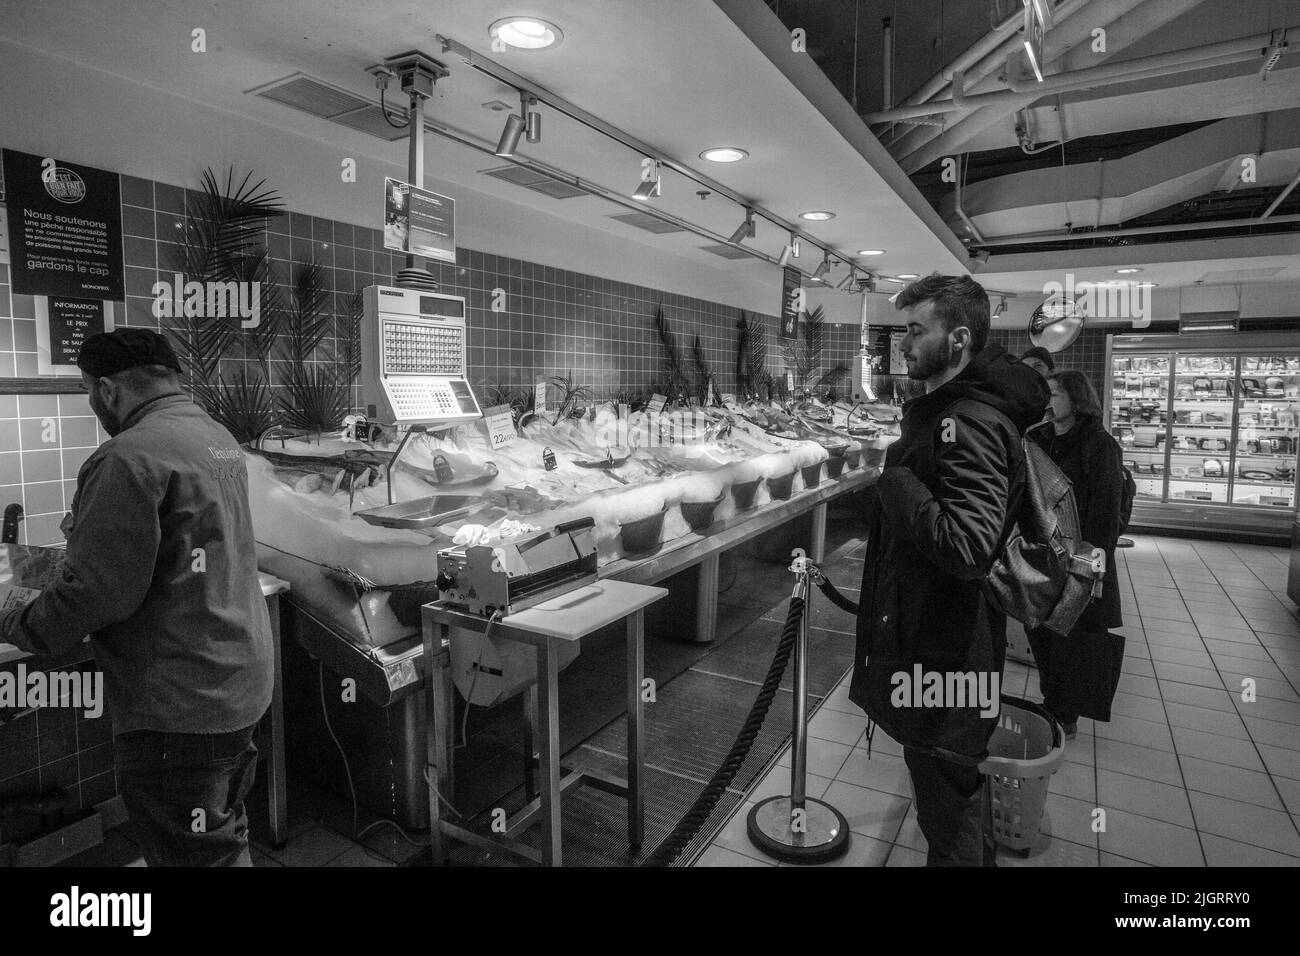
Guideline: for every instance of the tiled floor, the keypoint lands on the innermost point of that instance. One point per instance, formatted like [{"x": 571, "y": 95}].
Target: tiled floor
[{"x": 1188, "y": 773}]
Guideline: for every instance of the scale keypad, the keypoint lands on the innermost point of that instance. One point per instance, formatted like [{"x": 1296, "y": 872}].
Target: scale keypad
[{"x": 423, "y": 349}]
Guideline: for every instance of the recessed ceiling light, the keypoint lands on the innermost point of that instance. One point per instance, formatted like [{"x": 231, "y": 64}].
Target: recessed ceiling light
[
  {"x": 526, "y": 33},
  {"x": 1126, "y": 272},
  {"x": 871, "y": 252},
  {"x": 817, "y": 215},
  {"x": 724, "y": 154},
  {"x": 908, "y": 275},
  {"x": 1148, "y": 285}
]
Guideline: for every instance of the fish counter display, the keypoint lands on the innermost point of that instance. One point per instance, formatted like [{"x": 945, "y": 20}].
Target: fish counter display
[{"x": 644, "y": 480}]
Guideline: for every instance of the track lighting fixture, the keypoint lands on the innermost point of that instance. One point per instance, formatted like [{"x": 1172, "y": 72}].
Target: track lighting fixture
[
  {"x": 824, "y": 268},
  {"x": 649, "y": 186},
  {"x": 745, "y": 230}
]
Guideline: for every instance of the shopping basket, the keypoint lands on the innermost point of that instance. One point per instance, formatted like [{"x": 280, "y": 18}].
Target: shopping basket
[{"x": 1025, "y": 750}]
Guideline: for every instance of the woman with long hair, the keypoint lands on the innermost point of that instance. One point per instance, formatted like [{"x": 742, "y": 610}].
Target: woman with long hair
[{"x": 1078, "y": 672}]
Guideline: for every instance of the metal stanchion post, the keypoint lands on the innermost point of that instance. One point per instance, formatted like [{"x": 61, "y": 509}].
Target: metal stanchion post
[{"x": 797, "y": 828}]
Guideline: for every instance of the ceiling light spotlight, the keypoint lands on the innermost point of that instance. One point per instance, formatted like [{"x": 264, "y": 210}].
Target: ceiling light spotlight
[
  {"x": 649, "y": 186},
  {"x": 533, "y": 119},
  {"x": 724, "y": 154},
  {"x": 515, "y": 126},
  {"x": 1002, "y": 307},
  {"x": 745, "y": 230},
  {"x": 824, "y": 268},
  {"x": 790, "y": 251},
  {"x": 817, "y": 216},
  {"x": 525, "y": 33},
  {"x": 871, "y": 252},
  {"x": 847, "y": 280}
]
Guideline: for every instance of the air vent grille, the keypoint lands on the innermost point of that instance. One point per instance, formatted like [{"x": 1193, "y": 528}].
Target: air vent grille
[
  {"x": 643, "y": 220},
  {"x": 311, "y": 96},
  {"x": 727, "y": 252},
  {"x": 371, "y": 120},
  {"x": 536, "y": 181}
]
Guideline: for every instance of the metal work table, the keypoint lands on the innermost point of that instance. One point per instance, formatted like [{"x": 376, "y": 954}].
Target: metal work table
[{"x": 568, "y": 617}]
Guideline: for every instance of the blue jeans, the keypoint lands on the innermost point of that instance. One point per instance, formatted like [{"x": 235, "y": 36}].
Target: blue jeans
[{"x": 185, "y": 794}]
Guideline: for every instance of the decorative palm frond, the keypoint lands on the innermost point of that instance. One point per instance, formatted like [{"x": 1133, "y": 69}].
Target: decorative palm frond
[
  {"x": 742, "y": 348},
  {"x": 678, "y": 384},
  {"x": 829, "y": 381},
  {"x": 315, "y": 398},
  {"x": 260, "y": 340},
  {"x": 803, "y": 356},
  {"x": 222, "y": 241},
  {"x": 703, "y": 375},
  {"x": 570, "y": 394},
  {"x": 243, "y": 405},
  {"x": 756, "y": 359},
  {"x": 307, "y": 320},
  {"x": 349, "y": 342}
]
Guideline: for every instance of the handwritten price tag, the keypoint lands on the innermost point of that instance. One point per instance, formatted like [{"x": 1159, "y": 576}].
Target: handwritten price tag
[
  {"x": 500, "y": 425},
  {"x": 657, "y": 403}
]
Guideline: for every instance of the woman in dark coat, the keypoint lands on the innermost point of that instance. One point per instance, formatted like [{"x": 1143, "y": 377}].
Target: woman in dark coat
[{"x": 1074, "y": 671}]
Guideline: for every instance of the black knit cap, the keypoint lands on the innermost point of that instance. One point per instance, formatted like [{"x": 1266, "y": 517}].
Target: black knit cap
[
  {"x": 1040, "y": 353},
  {"x": 105, "y": 354}
]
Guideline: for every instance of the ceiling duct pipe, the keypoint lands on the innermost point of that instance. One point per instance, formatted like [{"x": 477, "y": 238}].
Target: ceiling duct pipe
[
  {"x": 1134, "y": 231},
  {"x": 1110, "y": 74}
]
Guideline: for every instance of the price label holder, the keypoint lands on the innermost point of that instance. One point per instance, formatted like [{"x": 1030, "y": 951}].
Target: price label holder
[
  {"x": 657, "y": 403},
  {"x": 500, "y": 421},
  {"x": 539, "y": 396},
  {"x": 548, "y": 460}
]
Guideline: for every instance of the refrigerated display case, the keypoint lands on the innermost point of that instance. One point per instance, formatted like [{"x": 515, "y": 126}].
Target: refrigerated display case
[{"x": 1208, "y": 426}]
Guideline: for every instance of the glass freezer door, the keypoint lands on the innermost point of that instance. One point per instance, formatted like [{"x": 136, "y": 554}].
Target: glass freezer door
[
  {"x": 1268, "y": 406},
  {"x": 1139, "y": 400},
  {"x": 1200, "y": 452}
]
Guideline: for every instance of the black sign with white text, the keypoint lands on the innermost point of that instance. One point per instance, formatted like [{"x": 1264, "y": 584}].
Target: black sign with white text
[
  {"x": 791, "y": 282},
  {"x": 65, "y": 228},
  {"x": 72, "y": 321}
]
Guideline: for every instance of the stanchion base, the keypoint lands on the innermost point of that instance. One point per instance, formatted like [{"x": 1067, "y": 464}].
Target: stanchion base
[{"x": 823, "y": 835}]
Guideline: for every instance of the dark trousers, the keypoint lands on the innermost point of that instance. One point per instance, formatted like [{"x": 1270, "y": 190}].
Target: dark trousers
[
  {"x": 184, "y": 794},
  {"x": 1052, "y": 674},
  {"x": 950, "y": 809}
]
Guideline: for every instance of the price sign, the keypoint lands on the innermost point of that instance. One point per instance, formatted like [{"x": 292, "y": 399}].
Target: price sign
[
  {"x": 500, "y": 421},
  {"x": 539, "y": 396},
  {"x": 657, "y": 403}
]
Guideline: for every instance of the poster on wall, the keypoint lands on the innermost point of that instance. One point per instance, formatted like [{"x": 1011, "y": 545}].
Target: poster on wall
[
  {"x": 897, "y": 364},
  {"x": 791, "y": 283},
  {"x": 419, "y": 222},
  {"x": 65, "y": 228},
  {"x": 63, "y": 323}
]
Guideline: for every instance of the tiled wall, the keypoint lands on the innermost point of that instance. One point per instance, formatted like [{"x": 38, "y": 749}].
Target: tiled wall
[
  {"x": 1086, "y": 355},
  {"x": 556, "y": 322},
  {"x": 52, "y": 748}
]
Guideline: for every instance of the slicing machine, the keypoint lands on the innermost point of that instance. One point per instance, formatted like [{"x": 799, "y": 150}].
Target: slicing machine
[{"x": 520, "y": 573}]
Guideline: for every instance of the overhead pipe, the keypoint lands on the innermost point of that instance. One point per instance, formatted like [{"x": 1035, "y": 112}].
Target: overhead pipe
[
  {"x": 1066, "y": 33},
  {"x": 504, "y": 75},
  {"x": 1110, "y": 74},
  {"x": 887, "y": 61},
  {"x": 1134, "y": 231}
]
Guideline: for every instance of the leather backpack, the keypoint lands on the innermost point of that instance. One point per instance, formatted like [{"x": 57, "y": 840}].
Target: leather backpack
[{"x": 1045, "y": 574}]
